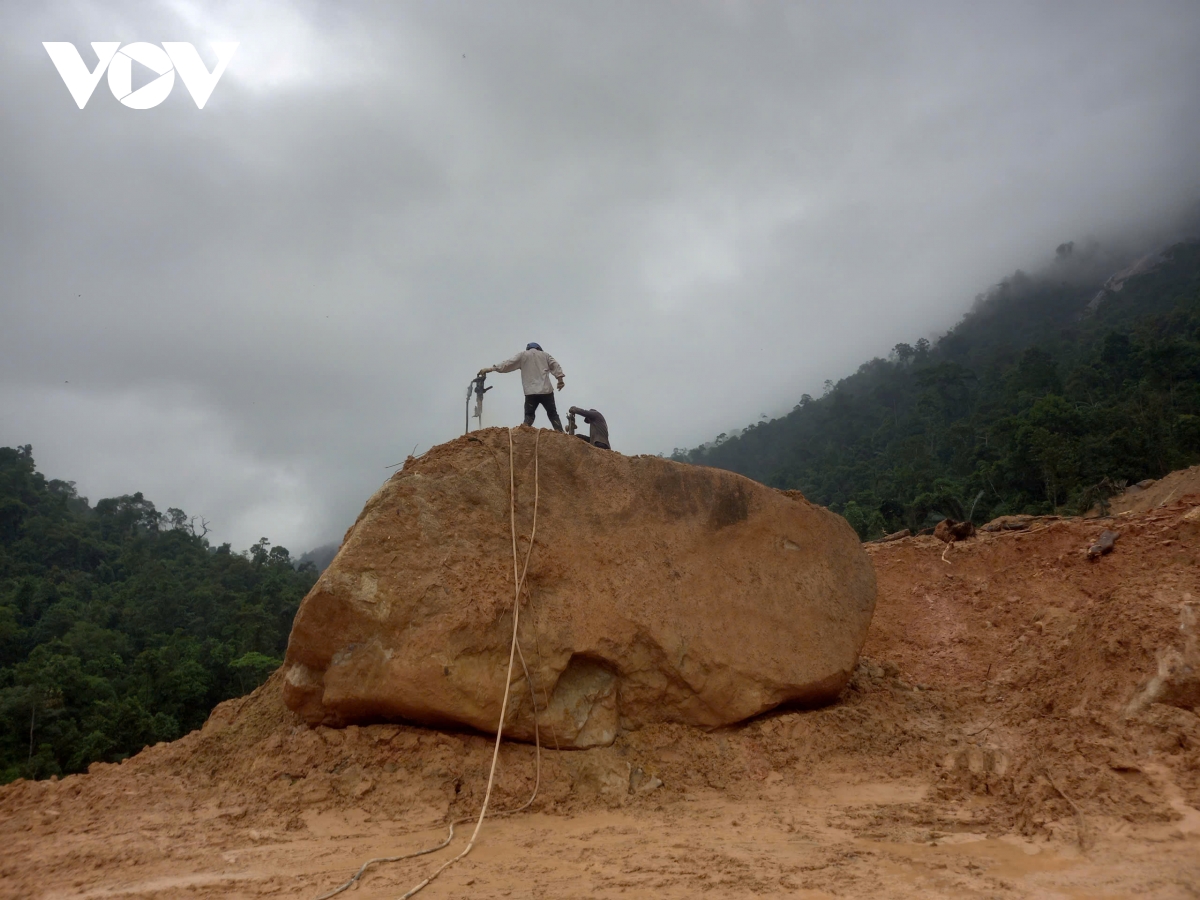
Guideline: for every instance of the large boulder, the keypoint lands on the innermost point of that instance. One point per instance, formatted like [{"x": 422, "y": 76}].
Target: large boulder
[{"x": 659, "y": 592}]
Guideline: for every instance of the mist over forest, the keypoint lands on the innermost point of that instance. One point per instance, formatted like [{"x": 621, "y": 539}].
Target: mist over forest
[{"x": 1056, "y": 390}]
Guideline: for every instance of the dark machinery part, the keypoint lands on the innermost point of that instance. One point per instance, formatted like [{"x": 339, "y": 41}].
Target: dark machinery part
[{"x": 475, "y": 387}]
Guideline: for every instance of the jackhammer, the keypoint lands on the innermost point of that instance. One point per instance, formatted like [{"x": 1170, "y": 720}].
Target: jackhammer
[{"x": 475, "y": 387}]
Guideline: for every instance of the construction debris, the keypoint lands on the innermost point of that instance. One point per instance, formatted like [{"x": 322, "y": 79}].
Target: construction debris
[
  {"x": 949, "y": 531},
  {"x": 894, "y": 536},
  {"x": 1009, "y": 523},
  {"x": 1104, "y": 544}
]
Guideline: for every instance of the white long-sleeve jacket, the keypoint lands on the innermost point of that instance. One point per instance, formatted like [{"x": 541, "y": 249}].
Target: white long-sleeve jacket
[{"x": 536, "y": 368}]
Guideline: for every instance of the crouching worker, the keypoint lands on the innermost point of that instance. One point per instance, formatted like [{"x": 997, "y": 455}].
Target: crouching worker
[
  {"x": 598, "y": 432},
  {"x": 536, "y": 367}
]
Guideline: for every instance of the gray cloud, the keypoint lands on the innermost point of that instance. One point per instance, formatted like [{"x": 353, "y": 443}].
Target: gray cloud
[{"x": 702, "y": 210}]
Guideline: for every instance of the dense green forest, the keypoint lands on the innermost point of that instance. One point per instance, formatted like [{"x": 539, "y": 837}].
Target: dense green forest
[
  {"x": 121, "y": 626},
  {"x": 1047, "y": 396}
]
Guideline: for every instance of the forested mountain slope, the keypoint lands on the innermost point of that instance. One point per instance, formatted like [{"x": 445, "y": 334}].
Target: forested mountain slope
[
  {"x": 1049, "y": 393},
  {"x": 121, "y": 626}
]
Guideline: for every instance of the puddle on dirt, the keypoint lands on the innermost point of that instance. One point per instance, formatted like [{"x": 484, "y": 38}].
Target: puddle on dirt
[
  {"x": 1008, "y": 856},
  {"x": 863, "y": 793}
]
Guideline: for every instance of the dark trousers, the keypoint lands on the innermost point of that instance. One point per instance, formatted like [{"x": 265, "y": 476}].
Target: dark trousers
[
  {"x": 547, "y": 400},
  {"x": 600, "y": 444}
]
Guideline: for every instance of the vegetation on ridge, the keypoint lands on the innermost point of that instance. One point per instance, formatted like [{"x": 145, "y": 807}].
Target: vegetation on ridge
[
  {"x": 121, "y": 626},
  {"x": 1044, "y": 398}
]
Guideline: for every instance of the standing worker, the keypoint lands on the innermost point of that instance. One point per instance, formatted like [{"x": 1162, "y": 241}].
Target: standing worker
[
  {"x": 536, "y": 367},
  {"x": 598, "y": 432}
]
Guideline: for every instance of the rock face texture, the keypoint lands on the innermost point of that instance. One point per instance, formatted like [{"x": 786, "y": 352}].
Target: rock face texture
[{"x": 657, "y": 592}]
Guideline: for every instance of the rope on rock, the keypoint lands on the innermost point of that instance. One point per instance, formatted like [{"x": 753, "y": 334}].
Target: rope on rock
[
  {"x": 514, "y": 651},
  {"x": 518, "y": 582}
]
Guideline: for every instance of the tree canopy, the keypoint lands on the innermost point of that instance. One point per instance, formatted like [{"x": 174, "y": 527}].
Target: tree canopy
[
  {"x": 1046, "y": 397},
  {"x": 121, "y": 626}
]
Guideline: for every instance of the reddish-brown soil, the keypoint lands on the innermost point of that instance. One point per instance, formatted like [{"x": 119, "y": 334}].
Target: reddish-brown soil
[
  {"x": 981, "y": 751},
  {"x": 1158, "y": 493}
]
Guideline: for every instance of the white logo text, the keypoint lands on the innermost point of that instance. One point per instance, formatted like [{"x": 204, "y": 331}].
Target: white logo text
[{"x": 164, "y": 61}]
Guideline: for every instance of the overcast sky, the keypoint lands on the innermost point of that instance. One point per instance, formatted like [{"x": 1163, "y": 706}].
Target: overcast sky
[{"x": 701, "y": 209}]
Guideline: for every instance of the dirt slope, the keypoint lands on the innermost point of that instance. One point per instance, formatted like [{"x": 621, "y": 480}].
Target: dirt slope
[
  {"x": 1166, "y": 490},
  {"x": 996, "y": 678}
]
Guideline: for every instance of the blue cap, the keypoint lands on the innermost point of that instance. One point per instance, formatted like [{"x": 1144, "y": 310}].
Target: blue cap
[{"x": 532, "y": 346}]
